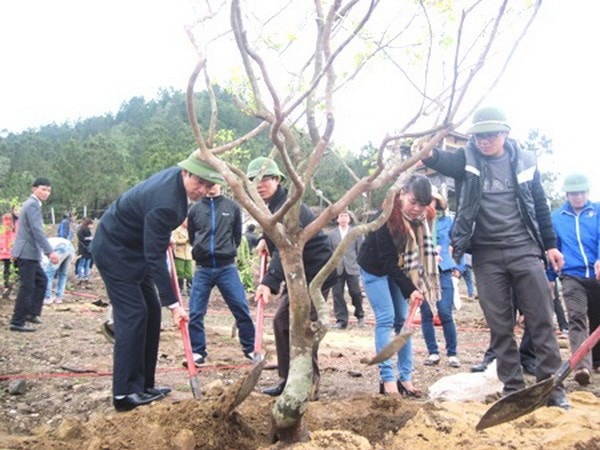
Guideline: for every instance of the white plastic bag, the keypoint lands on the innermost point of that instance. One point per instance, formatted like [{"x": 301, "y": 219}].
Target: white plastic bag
[{"x": 457, "y": 300}]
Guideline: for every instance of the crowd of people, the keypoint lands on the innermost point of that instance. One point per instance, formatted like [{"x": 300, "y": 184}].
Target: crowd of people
[{"x": 502, "y": 232}]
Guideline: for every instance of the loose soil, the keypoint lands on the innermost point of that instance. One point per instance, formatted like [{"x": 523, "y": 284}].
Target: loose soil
[{"x": 55, "y": 390}]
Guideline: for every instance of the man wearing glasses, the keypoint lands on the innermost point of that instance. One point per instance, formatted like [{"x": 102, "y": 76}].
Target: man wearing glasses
[
  {"x": 577, "y": 226},
  {"x": 129, "y": 249},
  {"x": 317, "y": 252},
  {"x": 503, "y": 219}
]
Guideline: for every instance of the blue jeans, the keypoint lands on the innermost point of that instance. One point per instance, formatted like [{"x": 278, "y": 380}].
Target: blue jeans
[
  {"x": 390, "y": 309},
  {"x": 62, "y": 270},
  {"x": 468, "y": 277},
  {"x": 84, "y": 268},
  {"x": 444, "y": 308},
  {"x": 227, "y": 279}
]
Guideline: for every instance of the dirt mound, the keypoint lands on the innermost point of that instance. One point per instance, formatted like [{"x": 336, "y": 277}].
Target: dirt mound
[
  {"x": 359, "y": 423},
  {"x": 64, "y": 395},
  {"x": 196, "y": 424}
]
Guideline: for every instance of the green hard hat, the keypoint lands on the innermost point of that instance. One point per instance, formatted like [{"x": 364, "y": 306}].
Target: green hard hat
[
  {"x": 201, "y": 169},
  {"x": 576, "y": 182},
  {"x": 489, "y": 120},
  {"x": 265, "y": 166}
]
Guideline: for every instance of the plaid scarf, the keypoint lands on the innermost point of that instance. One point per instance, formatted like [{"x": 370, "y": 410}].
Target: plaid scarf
[{"x": 419, "y": 260}]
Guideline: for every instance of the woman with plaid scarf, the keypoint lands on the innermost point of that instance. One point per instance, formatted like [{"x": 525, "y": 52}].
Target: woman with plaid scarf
[{"x": 398, "y": 262}]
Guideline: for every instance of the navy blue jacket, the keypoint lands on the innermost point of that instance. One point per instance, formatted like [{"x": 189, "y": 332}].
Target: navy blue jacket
[
  {"x": 215, "y": 231},
  {"x": 134, "y": 233}
]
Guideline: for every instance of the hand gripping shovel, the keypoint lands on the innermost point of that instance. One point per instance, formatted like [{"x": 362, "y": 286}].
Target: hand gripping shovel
[
  {"x": 398, "y": 341},
  {"x": 185, "y": 334},
  {"x": 527, "y": 400}
]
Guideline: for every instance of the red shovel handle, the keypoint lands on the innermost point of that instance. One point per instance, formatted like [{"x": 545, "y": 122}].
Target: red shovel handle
[
  {"x": 183, "y": 326},
  {"x": 260, "y": 309},
  {"x": 412, "y": 312}
]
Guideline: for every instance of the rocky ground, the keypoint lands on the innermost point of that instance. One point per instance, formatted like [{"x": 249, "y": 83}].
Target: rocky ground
[{"x": 55, "y": 392}]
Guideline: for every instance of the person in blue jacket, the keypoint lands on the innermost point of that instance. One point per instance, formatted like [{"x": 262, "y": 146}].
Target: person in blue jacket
[
  {"x": 215, "y": 231},
  {"x": 129, "y": 249},
  {"x": 442, "y": 225},
  {"x": 577, "y": 226}
]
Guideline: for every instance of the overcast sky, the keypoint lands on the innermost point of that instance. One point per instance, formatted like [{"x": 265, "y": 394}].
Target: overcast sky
[{"x": 66, "y": 59}]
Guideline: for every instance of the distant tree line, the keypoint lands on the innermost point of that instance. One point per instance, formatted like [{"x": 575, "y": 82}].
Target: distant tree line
[{"x": 94, "y": 160}]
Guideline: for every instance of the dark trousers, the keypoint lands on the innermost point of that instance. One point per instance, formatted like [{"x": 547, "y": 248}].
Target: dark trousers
[
  {"x": 594, "y": 317},
  {"x": 340, "y": 309},
  {"x": 526, "y": 353},
  {"x": 582, "y": 299},
  {"x": 281, "y": 329},
  {"x": 137, "y": 316},
  {"x": 499, "y": 272},
  {"x": 7, "y": 264},
  {"x": 32, "y": 288},
  {"x": 563, "y": 324}
]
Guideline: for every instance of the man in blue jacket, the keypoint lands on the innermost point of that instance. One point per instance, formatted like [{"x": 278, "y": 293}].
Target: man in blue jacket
[
  {"x": 215, "y": 231},
  {"x": 577, "y": 226},
  {"x": 503, "y": 219},
  {"x": 129, "y": 249}
]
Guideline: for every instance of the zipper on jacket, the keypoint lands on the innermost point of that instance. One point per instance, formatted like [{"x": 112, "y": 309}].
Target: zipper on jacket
[
  {"x": 579, "y": 243},
  {"x": 212, "y": 232}
]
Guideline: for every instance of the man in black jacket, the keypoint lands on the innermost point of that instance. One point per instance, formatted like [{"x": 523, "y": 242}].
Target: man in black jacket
[
  {"x": 317, "y": 252},
  {"x": 215, "y": 231},
  {"x": 503, "y": 219},
  {"x": 129, "y": 249}
]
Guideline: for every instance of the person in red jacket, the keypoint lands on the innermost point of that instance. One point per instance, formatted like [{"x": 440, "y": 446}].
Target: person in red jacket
[{"x": 7, "y": 239}]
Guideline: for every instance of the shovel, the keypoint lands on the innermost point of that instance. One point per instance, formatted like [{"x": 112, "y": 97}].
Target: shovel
[
  {"x": 398, "y": 341},
  {"x": 529, "y": 399},
  {"x": 260, "y": 313},
  {"x": 185, "y": 334},
  {"x": 247, "y": 385}
]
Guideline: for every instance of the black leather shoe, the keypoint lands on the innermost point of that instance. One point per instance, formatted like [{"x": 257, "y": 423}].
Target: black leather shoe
[
  {"x": 132, "y": 401},
  {"x": 529, "y": 369},
  {"x": 479, "y": 367},
  {"x": 275, "y": 390},
  {"x": 159, "y": 390},
  {"x": 404, "y": 391},
  {"x": 23, "y": 328},
  {"x": 33, "y": 319},
  {"x": 559, "y": 400}
]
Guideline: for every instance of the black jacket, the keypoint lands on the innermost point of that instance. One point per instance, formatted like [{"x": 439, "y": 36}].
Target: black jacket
[
  {"x": 215, "y": 231},
  {"x": 84, "y": 239},
  {"x": 317, "y": 250},
  {"x": 133, "y": 235},
  {"x": 465, "y": 167},
  {"x": 378, "y": 255}
]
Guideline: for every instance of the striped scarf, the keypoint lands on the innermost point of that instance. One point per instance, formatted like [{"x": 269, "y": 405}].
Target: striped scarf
[{"x": 419, "y": 260}]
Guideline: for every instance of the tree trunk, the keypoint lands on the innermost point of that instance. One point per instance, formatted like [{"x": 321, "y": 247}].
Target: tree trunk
[{"x": 289, "y": 409}]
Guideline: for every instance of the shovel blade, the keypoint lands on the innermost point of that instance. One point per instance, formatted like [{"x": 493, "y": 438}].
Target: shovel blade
[
  {"x": 517, "y": 404},
  {"x": 248, "y": 384},
  {"x": 195, "y": 385},
  {"x": 390, "y": 349}
]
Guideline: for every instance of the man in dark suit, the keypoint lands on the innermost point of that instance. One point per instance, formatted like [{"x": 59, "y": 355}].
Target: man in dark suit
[
  {"x": 30, "y": 243},
  {"x": 348, "y": 274},
  {"x": 129, "y": 249}
]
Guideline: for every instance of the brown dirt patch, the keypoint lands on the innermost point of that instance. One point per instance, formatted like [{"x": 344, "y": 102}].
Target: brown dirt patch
[{"x": 62, "y": 407}]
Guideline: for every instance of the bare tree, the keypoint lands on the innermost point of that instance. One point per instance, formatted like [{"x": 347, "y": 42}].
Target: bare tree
[{"x": 297, "y": 60}]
